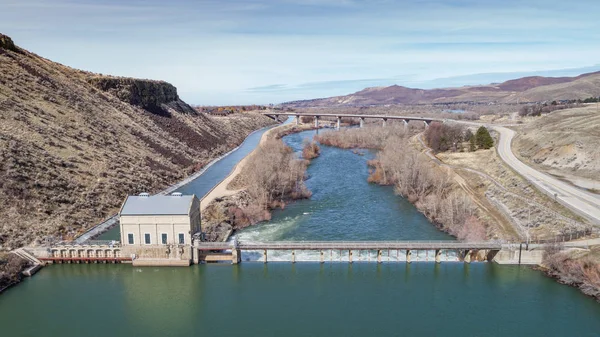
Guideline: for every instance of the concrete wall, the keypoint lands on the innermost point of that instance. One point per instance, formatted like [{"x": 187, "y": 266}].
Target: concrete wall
[
  {"x": 510, "y": 255},
  {"x": 159, "y": 255}
]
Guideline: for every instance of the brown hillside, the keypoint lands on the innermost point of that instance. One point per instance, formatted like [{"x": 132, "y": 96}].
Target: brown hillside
[
  {"x": 526, "y": 89},
  {"x": 73, "y": 144},
  {"x": 526, "y": 83},
  {"x": 584, "y": 86}
]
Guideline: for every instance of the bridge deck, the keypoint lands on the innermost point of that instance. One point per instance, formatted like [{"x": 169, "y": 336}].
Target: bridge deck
[
  {"x": 352, "y": 116},
  {"x": 352, "y": 245}
]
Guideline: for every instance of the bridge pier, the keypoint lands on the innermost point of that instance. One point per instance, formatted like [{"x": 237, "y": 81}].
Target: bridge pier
[
  {"x": 297, "y": 120},
  {"x": 236, "y": 255},
  {"x": 322, "y": 257},
  {"x": 379, "y": 256},
  {"x": 350, "y": 256},
  {"x": 339, "y": 122},
  {"x": 426, "y": 124},
  {"x": 362, "y": 121},
  {"x": 265, "y": 256},
  {"x": 405, "y": 122},
  {"x": 384, "y": 122},
  {"x": 438, "y": 256},
  {"x": 468, "y": 256},
  {"x": 293, "y": 256},
  {"x": 408, "y": 255},
  {"x": 317, "y": 122}
]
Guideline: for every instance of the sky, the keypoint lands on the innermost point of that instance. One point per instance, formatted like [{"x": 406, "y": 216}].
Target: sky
[{"x": 259, "y": 52}]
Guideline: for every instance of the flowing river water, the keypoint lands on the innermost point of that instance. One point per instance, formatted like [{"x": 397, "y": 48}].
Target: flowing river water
[{"x": 304, "y": 299}]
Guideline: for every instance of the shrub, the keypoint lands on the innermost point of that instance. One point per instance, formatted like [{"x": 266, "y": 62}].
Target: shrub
[
  {"x": 311, "y": 150},
  {"x": 273, "y": 174}
]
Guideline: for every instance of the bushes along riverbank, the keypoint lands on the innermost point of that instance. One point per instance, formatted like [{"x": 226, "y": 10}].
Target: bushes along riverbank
[
  {"x": 429, "y": 188},
  {"x": 271, "y": 177},
  {"x": 582, "y": 272}
]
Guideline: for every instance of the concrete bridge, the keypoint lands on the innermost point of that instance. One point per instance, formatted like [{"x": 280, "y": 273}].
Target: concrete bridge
[
  {"x": 338, "y": 117},
  {"x": 466, "y": 251}
]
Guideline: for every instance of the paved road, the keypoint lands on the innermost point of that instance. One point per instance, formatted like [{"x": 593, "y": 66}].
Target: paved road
[{"x": 580, "y": 201}]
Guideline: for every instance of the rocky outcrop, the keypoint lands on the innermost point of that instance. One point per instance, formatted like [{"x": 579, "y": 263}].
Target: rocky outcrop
[
  {"x": 7, "y": 43},
  {"x": 154, "y": 96}
]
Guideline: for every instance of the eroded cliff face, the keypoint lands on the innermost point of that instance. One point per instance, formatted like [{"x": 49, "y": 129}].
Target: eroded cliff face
[
  {"x": 154, "y": 96},
  {"x": 73, "y": 144},
  {"x": 7, "y": 43}
]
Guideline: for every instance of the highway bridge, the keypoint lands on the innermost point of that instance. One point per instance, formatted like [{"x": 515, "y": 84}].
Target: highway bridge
[{"x": 361, "y": 118}]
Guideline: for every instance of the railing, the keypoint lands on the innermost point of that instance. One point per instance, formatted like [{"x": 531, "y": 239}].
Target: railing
[
  {"x": 316, "y": 245},
  {"x": 109, "y": 243}
]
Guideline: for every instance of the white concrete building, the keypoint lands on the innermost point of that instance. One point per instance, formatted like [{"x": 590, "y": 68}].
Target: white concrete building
[{"x": 159, "y": 219}]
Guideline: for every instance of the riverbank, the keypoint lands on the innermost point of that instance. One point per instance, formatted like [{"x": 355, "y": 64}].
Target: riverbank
[
  {"x": 578, "y": 269},
  {"x": 246, "y": 195},
  {"x": 222, "y": 189},
  {"x": 430, "y": 189},
  {"x": 104, "y": 229},
  {"x": 11, "y": 269}
]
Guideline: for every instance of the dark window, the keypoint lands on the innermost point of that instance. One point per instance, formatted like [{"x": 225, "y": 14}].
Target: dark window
[
  {"x": 147, "y": 238},
  {"x": 181, "y": 238},
  {"x": 163, "y": 238},
  {"x": 130, "y": 238}
]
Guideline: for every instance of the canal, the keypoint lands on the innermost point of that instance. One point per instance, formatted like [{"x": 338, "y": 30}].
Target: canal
[{"x": 305, "y": 299}]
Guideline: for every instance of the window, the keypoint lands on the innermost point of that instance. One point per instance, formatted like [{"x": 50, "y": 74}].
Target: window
[
  {"x": 130, "y": 238},
  {"x": 163, "y": 238},
  {"x": 147, "y": 238},
  {"x": 181, "y": 238}
]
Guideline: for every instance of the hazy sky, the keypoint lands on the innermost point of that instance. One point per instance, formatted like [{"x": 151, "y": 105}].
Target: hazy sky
[{"x": 237, "y": 52}]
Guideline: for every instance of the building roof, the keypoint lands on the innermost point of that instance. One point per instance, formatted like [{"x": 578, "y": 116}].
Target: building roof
[{"x": 157, "y": 205}]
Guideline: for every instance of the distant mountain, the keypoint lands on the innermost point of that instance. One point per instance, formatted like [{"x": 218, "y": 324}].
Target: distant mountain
[
  {"x": 530, "y": 89},
  {"x": 74, "y": 143}
]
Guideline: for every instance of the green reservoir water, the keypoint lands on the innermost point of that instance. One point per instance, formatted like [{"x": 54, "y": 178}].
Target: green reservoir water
[{"x": 305, "y": 299}]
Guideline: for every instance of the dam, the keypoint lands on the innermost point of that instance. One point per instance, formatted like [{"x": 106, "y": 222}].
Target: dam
[{"x": 338, "y": 298}]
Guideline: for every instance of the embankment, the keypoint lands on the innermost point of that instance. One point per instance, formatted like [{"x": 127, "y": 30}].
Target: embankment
[
  {"x": 579, "y": 269},
  {"x": 11, "y": 268}
]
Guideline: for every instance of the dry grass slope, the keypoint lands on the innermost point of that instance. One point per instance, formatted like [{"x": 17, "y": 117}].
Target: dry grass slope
[
  {"x": 564, "y": 143},
  {"x": 70, "y": 151}
]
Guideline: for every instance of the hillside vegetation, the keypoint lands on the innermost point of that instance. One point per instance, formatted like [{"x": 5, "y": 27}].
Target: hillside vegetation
[
  {"x": 564, "y": 143},
  {"x": 73, "y": 144}
]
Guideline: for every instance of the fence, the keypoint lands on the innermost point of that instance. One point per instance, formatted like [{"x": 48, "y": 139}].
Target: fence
[{"x": 570, "y": 236}]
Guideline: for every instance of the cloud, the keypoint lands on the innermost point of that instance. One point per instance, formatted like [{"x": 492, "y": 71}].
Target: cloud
[{"x": 268, "y": 51}]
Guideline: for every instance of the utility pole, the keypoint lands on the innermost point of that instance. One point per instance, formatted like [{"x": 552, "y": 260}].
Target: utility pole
[{"x": 529, "y": 225}]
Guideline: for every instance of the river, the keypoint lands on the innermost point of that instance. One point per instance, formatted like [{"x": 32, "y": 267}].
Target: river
[{"x": 305, "y": 299}]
